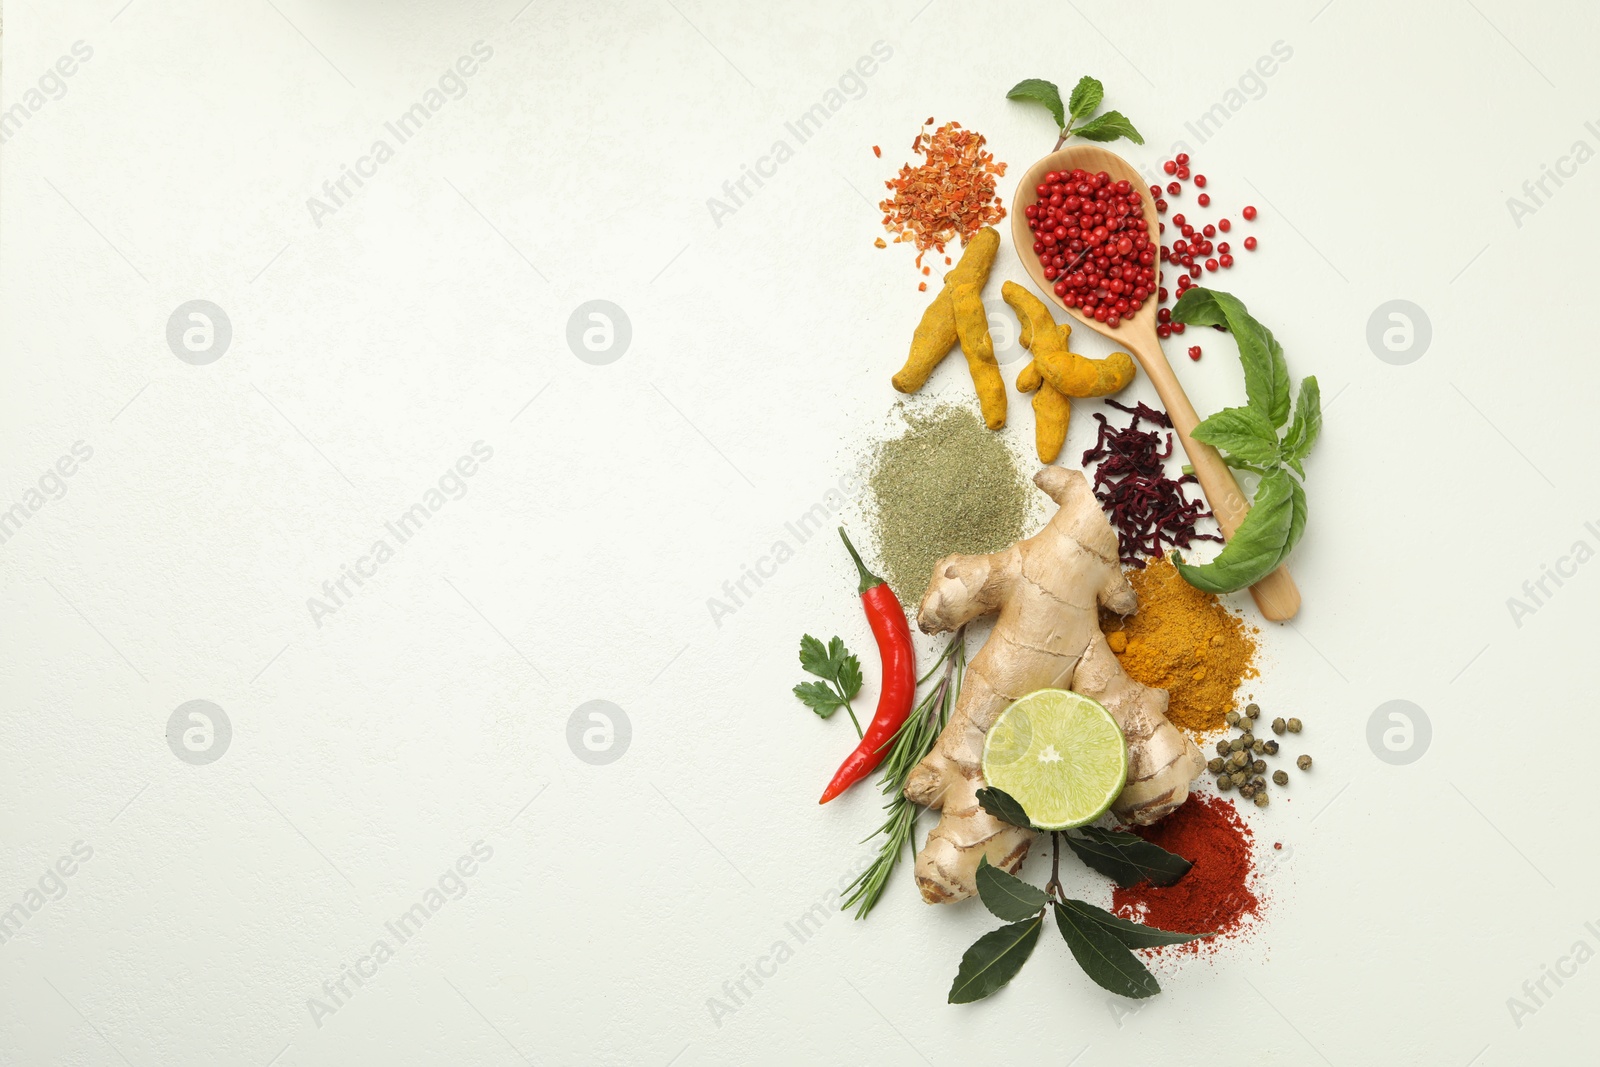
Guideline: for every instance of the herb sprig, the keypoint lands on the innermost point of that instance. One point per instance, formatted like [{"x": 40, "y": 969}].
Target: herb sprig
[
  {"x": 1084, "y": 101},
  {"x": 911, "y": 743},
  {"x": 1101, "y": 942},
  {"x": 1249, "y": 439},
  {"x": 841, "y": 674}
]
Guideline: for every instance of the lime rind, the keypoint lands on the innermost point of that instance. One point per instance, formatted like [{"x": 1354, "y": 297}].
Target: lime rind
[{"x": 1060, "y": 755}]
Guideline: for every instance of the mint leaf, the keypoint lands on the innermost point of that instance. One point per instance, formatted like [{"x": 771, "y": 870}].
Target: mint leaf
[
  {"x": 1260, "y": 542},
  {"x": 1266, "y": 375},
  {"x": 1109, "y": 127},
  {"x": 1131, "y": 934},
  {"x": 1006, "y": 895},
  {"x": 1086, "y": 97},
  {"x": 819, "y": 697},
  {"x": 1127, "y": 859},
  {"x": 1042, "y": 92},
  {"x": 1103, "y": 956},
  {"x": 1307, "y": 423},
  {"x": 1004, "y": 807},
  {"x": 1244, "y": 433},
  {"x": 994, "y": 959},
  {"x": 814, "y": 658},
  {"x": 849, "y": 677}
]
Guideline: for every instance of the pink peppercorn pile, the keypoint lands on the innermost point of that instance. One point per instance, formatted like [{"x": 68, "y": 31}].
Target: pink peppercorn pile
[{"x": 1092, "y": 240}]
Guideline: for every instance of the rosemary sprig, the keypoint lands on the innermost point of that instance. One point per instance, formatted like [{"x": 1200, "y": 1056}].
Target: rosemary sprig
[{"x": 910, "y": 744}]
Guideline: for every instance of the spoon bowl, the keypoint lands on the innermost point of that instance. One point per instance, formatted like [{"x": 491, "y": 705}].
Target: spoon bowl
[{"x": 1276, "y": 594}]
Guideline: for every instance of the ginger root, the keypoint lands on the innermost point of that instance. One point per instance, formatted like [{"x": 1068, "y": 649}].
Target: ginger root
[
  {"x": 1057, "y": 373},
  {"x": 936, "y": 334},
  {"x": 1048, "y": 590}
]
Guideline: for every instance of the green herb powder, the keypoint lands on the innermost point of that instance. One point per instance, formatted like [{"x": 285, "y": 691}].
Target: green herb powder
[{"x": 948, "y": 484}]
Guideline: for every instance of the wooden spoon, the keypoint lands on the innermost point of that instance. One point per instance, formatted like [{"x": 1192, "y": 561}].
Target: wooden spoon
[{"x": 1276, "y": 594}]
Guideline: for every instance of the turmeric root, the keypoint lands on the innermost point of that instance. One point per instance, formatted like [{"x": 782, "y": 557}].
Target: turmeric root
[
  {"x": 1058, "y": 373},
  {"x": 936, "y": 334},
  {"x": 1048, "y": 590},
  {"x": 972, "y": 326}
]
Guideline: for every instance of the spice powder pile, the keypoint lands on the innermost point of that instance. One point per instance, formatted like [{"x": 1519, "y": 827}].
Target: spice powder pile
[
  {"x": 946, "y": 485},
  {"x": 1185, "y": 641},
  {"x": 1216, "y": 895},
  {"x": 949, "y": 195}
]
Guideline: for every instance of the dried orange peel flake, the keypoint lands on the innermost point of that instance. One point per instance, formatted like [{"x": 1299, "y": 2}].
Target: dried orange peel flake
[{"x": 949, "y": 195}]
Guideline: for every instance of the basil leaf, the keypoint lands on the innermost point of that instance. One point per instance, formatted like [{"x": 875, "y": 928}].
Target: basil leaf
[
  {"x": 1244, "y": 433},
  {"x": 1258, "y": 545},
  {"x": 1131, "y": 934},
  {"x": 1043, "y": 92},
  {"x": 1007, "y": 896},
  {"x": 1109, "y": 127},
  {"x": 1104, "y": 957},
  {"x": 814, "y": 657},
  {"x": 1127, "y": 859},
  {"x": 994, "y": 959},
  {"x": 1307, "y": 422},
  {"x": 1086, "y": 97},
  {"x": 1266, "y": 374},
  {"x": 819, "y": 697},
  {"x": 1004, "y": 807},
  {"x": 1297, "y": 521}
]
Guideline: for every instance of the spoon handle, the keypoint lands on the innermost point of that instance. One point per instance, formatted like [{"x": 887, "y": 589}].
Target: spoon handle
[{"x": 1276, "y": 595}]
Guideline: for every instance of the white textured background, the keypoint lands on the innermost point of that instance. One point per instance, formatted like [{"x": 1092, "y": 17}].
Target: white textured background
[{"x": 430, "y": 712}]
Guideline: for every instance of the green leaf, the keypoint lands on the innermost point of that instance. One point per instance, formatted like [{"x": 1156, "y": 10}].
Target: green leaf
[
  {"x": 1109, "y": 127},
  {"x": 1131, "y": 934},
  {"x": 1004, "y": 807},
  {"x": 1266, "y": 375},
  {"x": 1244, "y": 433},
  {"x": 1006, "y": 895},
  {"x": 819, "y": 697},
  {"x": 1103, "y": 956},
  {"x": 1307, "y": 423},
  {"x": 1086, "y": 97},
  {"x": 849, "y": 677},
  {"x": 1043, "y": 92},
  {"x": 1297, "y": 521},
  {"x": 1258, "y": 545},
  {"x": 994, "y": 959},
  {"x": 1127, "y": 859},
  {"x": 814, "y": 658}
]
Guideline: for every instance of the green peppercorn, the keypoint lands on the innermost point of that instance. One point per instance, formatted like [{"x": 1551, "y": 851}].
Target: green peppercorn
[
  {"x": 1225, "y": 783},
  {"x": 1223, "y": 749},
  {"x": 1252, "y": 710},
  {"x": 1262, "y": 800},
  {"x": 1236, "y": 744},
  {"x": 1232, "y": 718},
  {"x": 1293, "y": 726},
  {"x": 1280, "y": 777},
  {"x": 1278, "y": 725},
  {"x": 1304, "y": 763},
  {"x": 1248, "y": 738},
  {"x": 1258, "y": 746},
  {"x": 1215, "y": 766},
  {"x": 1259, "y": 766},
  {"x": 1271, "y": 747},
  {"x": 1247, "y": 790},
  {"x": 1239, "y": 778}
]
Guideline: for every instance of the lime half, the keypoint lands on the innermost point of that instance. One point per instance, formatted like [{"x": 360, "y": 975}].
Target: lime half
[{"x": 1058, "y": 754}]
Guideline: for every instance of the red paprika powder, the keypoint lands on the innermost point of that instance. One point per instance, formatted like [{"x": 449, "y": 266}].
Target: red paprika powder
[{"x": 1215, "y": 896}]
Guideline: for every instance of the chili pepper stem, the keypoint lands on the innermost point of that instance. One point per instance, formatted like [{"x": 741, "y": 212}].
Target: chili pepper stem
[{"x": 868, "y": 579}]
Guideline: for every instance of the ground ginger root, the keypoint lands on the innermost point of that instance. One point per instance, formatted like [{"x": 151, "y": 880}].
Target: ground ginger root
[
  {"x": 1056, "y": 372},
  {"x": 972, "y": 327},
  {"x": 936, "y": 334}
]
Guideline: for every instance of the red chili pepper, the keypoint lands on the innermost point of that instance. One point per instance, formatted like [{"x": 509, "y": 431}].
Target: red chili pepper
[{"x": 899, "y": 690}]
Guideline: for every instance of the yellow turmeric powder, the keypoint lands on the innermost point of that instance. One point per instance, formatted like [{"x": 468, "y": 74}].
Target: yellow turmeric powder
[{"x": 1185, "y": 641}]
